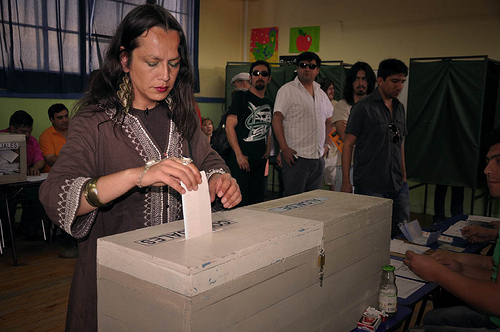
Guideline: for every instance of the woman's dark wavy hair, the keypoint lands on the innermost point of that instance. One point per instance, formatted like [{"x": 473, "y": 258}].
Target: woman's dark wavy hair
[
  {"x": 351, "y": 77},
  {"x": 104, "y": 82}
]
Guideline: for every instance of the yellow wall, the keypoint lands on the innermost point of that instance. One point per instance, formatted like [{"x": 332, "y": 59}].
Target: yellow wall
[
  {"x": 350, "y": 30},
  {"x": 373, "y": 30},
  {"x": 221, "y": 40}
]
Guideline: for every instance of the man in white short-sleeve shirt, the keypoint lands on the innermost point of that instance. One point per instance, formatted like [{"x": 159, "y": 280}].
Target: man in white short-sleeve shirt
[{"x": 302, "y": 119}]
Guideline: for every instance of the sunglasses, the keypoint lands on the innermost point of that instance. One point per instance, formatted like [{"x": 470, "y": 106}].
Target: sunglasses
[
  {"x": 311, "y": 66},
  {"x": 262, "y": 73},
  {"x": 395, "y": 135}
]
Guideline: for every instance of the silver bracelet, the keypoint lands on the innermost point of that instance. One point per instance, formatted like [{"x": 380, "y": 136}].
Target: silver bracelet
[
  {"x": 148, "y": 165},
  {"x": 182, "y": 160},
  {"x": 151, "y": 163}
]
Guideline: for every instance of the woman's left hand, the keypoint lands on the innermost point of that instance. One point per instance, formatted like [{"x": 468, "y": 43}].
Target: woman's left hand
[{"x": 226, "y": 188}]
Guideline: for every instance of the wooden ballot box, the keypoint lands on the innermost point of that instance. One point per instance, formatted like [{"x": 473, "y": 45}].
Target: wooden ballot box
[
  {"x": 357, "y": 234},
  {"x": 257, "y": 271},
  {"x": 12, "y": 158}
]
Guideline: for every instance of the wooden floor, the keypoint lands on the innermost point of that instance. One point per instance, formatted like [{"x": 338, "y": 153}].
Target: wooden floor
[{"x": 34, "y": 294}]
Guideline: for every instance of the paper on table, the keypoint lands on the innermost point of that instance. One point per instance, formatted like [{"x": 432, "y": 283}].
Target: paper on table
[
  {"x": 400, "y": 247},
  {"x": 36, "y": 178},
  {"x": 401, "y": 270},
  {"x": 456, "y": 229},
  {"x": 196, "y": 209},
  {"x": 449, "y": 247},
  {"x": 406, "y": 287},
  {"x": 481, "y": 219}
]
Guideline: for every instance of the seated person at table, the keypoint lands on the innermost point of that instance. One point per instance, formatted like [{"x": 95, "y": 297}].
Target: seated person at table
[
  {"x": 22, "y": 123},
  {"x": 473, "y": 279},
  {"x": 54, "y": 137}
]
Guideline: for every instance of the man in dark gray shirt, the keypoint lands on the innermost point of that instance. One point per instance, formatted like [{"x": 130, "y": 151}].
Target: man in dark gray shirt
[{"x": 377, "y": 126}]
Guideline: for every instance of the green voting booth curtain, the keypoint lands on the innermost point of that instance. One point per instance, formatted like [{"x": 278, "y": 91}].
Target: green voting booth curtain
[
  {"x": 284, "y": 74},
  {"x": 448, "y": 114}
]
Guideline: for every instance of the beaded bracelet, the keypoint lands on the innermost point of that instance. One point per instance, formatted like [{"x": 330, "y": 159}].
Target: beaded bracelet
[{"x": 91, "y": 195}]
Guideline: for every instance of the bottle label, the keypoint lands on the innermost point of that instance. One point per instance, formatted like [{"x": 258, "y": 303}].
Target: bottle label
[{"x": 388, "y": 301}]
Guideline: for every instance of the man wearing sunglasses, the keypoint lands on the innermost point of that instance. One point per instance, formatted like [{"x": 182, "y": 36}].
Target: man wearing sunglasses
[
  {"x": 247, "y": 127},
  {"x": 302, "y": 120},
  {"x": 377, "y": 126}
]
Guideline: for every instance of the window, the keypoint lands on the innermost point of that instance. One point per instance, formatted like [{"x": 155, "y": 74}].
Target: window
[{"x": 52, "y": 46}]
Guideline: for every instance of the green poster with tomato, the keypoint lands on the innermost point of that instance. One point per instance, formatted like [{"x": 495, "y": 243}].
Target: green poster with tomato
[{"x": 304, "y": 39}]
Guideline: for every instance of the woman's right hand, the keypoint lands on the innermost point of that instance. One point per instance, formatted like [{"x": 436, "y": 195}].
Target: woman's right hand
[{"x": 170, "y": 172}]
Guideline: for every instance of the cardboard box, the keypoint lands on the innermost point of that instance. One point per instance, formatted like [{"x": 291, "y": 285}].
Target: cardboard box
[
  {"x": 258, "y": 271},
  {"x": 12, "y": 158}
]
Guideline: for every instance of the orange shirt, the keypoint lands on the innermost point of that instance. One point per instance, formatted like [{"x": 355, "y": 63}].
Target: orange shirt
[{"x": 51, "y": 142}]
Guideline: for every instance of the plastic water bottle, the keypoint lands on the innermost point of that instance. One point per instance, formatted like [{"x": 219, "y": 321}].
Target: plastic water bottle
[{"x": 388, "y": 291}]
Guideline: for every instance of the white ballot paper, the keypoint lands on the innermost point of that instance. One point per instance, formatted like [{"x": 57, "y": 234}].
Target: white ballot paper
[
  {"x": 456, "y": 229},
  {"x": 8, "y": 155},
  {"x": 36, "y": 178},
  {"x": 197, "y": 210},
  {"x": 400, "y": 247},
  {"x": 401, "y": 270},
  {"x": 481, "y": 219},
  {"x": 407, "y": 287}
]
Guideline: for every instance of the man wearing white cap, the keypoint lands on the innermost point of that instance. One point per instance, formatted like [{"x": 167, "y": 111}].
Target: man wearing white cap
[{"x": 241, "y": 81}]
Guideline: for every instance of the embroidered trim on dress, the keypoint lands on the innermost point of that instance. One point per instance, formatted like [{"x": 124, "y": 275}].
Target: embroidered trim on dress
[
  {"x": 144, "y": 145},
  {"x": 174, "y": 149},
  {"x": 69, "y": 203}
]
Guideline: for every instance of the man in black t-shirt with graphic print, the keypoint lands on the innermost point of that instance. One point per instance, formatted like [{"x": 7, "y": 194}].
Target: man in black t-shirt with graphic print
[{"x": 247, "y": 128}]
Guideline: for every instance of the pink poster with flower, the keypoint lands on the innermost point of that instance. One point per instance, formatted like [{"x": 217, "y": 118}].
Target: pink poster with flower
[{"x": 264, "y": 44}]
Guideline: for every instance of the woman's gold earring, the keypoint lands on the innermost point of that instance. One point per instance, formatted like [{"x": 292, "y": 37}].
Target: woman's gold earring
[
  {"x": 125, "y": 93},
  {"x": 169, "y": 100}
]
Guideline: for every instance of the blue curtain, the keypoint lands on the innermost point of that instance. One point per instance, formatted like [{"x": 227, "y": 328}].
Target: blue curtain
[{"x": 52, "y": 46}]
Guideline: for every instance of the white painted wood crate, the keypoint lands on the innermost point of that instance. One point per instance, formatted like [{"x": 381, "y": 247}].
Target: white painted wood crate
[
  {"x": 357, "y": 240},
  {"x": 258, "y": 273}
]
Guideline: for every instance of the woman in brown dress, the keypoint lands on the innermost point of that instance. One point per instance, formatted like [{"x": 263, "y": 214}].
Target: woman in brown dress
[{"x": 130, "y": 143}]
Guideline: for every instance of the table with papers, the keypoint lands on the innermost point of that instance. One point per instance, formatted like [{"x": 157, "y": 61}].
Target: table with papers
[{"x": 411, "y": 288}]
